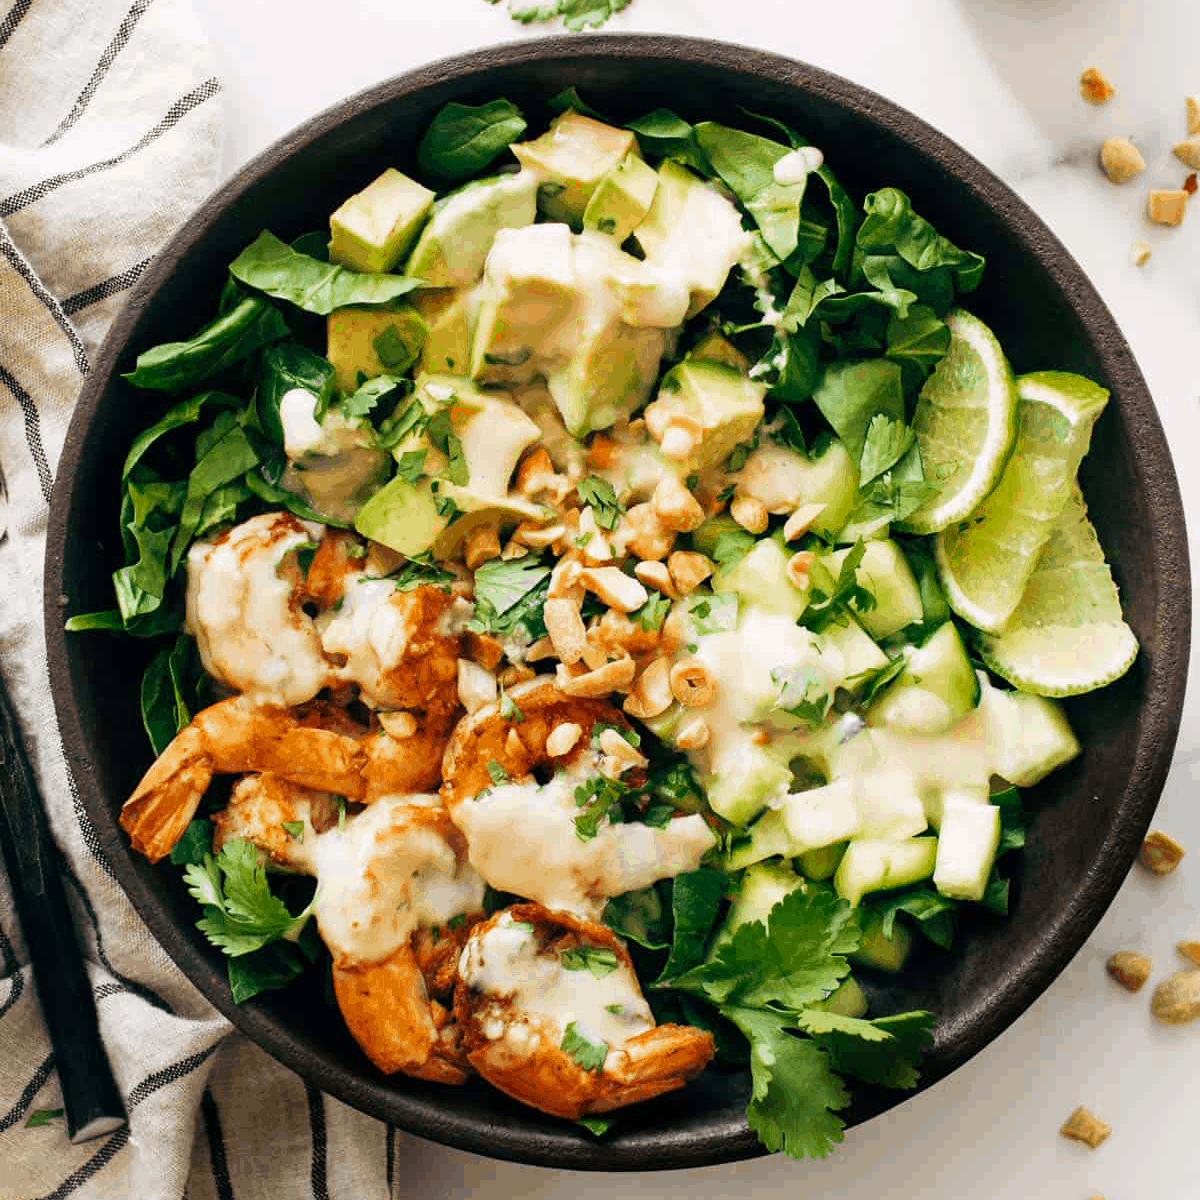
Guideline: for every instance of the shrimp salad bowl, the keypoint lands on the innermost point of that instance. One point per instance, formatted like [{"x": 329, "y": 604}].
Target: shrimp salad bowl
[{"x": 618, "y": 603}]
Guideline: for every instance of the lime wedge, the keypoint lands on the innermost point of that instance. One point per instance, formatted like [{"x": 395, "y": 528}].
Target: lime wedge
[
  {"x": 966, "y": 421},
  {"x": 1066, "y": 635},
  {"x": 986, "y": 560}
]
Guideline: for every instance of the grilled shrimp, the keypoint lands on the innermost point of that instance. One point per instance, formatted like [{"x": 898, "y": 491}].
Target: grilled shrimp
[
  {"x": 491, "y": 789},
  {"x": 389, "y": 884},
  {"x": 551, "y": 1013}
]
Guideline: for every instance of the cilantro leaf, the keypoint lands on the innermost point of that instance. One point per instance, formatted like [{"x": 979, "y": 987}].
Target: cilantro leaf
[
  {"x": 588, "y": 1054},
  {"x": 600, "y": 494},
  {"x": 848, "y": 594},
  {"x": 410, "y": 466},
  {"x": 888, "y": 1061},
  {"x": 596, "y": 797},
  {"x": 1012, "y": 820},
  {"x": 510, "y": 592},
  {"x": 932, "y": 912},
  {"x": 801, "y": 695},
  {"x": 599, "y": 960},
  {"x": 418, "y": 572},
  {"x": 732, "y": 546},
  {"x": 887, "y": 442},
  {"x": 496, "y": 773},
  {"x": 42, "y": 1116},
  {"x": 508, "y": 710},
  {"x": 653, "y": 613},
  {"x": 717, "y": 613}
]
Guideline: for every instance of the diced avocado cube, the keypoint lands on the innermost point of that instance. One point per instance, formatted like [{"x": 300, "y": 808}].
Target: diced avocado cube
[
  {"x": 726, "y": 403},
  {"x": 374, "y": 228},
  {"x": 494, "y": 436},
  {"x": 401, "y": 515},
  {"x": 455, "y": 242},
  {"x": 784, "y": 480},
  {"x": 693, "y": 230},
  {"x": 363, "y": 342},
  {"x": 881, "y": 951},
  {"x": 966, "y": 849},
  {"x": 760, "y": 577},
  {"x": 447, "y": 348},
  {"x": 885, "y": 573},
  {"x": 846, "y": 1000},
  {"x": 570, "y": 159},
  {"x": 479, "y": 512},
  {"x": 875, "y": 865},
  {"x": 528, "y": 290},
  {"x": 622, "y": 198},
  {"x": 715, "y": 347}
]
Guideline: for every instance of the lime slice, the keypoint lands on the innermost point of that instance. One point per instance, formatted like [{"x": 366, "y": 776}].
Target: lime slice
[
  {"x": 986, "y": 560},
  {"x": 1066, "y": 635},
  {"x": 966, "y": 421}
]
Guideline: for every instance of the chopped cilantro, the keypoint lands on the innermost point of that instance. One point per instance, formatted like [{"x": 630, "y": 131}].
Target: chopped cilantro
[
  {"x": 653, "y": 613},
  {"x": 732, "y": 546},
  {"x": 457, "y": 921},
  {"x": 294, "y": 829},
  {"x": 508, "y": 710},
  {"x": 658, "y": 816},
  {"x": 801, "y": 696},
  {"x": 419, "y": 571},
  {"x": 508, "y": 593},
  {"x": 341, "y": 821},
  {"x": 596, "y": 797},
  {"x": 589, "y": 1055},
  {"x": 409, "y": 420},
  {"x": 714, "y": 614},
  {"x": 847, "y": 594},
  {"x": 411, "y": 465},
  {"x": 599, "y": 960},
  {"x": 600, "y": 495},
  {"x": 496, "y": 773},
  {"x": 616, "y": 1009}
]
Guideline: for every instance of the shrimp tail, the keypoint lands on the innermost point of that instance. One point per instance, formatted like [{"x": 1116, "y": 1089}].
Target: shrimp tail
[{"x": 166, "y": 800}]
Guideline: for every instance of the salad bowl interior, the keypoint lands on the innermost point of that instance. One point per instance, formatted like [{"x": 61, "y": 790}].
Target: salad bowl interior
[{"x": 1087, "y": 820}]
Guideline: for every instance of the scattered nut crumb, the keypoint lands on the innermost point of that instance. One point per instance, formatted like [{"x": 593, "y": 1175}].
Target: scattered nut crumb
[
  {"x": 1176, "y": 1000},
  {"x": 1121, "y": 160},
  {"x": 1141, "y": 253},
  {"x": 1129, "y": 968},
  {"x": 1085, "y": 1126},
  {"x": 1094, "y": 88},
  {"x": 1188, "y": 152},
  {"x": 1160, "y": 853},
  {"x": 1193, "y": 114},
  {"x": 1167, "y": 205},
  {"x": 1190, "y": 950},
  {"x": 1189, "y": 184}
]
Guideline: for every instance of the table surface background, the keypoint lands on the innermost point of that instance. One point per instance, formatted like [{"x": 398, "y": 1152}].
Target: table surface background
[{"x": 1000, "y": 77}]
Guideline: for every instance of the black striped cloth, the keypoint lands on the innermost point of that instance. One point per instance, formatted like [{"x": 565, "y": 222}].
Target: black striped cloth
[{"x": 109, "y": 136}]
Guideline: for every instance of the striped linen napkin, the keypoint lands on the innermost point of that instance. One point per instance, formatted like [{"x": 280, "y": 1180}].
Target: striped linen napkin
[{"x": 110, "y": 129}]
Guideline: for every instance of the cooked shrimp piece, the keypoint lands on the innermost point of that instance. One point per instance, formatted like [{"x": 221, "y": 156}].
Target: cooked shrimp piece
[
  {"x": 532, "y": 838},
  {"x": 260, "y": 809},
  {"x": 551, "y": 1013},
  {"x": 243, "y": 607}
]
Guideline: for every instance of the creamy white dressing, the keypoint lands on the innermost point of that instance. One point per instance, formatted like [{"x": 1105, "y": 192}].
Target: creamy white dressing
[
  {"x": 795, "y": 168},
  {"x": 503, "y": 962},
  {"x": 370, "y": 631},
  {"x": 521, "y": 838},
  {"x": 251, "y": 633},
  {"x": 383, "y": 876},
  {"x": 492, "y": 442}
]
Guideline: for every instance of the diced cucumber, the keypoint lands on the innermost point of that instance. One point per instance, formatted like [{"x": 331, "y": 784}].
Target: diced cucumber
[
  {"x": 1030, "y": 735},
  {"x": 889, "y": 805},
  {"x": 832, "y": 481},
  {"x": 936, "y": 801},
  {"x": 966, "y": 849},
  {"x": 744, "y": 777},
  {"x": 705, "y": 538},
  {"x": 885, "y": 573},
  {"x": 860, "y": 655},
  {"x": 762, "y": 887},
  {"x": 822, "y": 862},
  {"x": 768, "y": 837},
  {"x": 935, "y": 690},
  {"x": 821, "y": 816},
  {"x": 761, "y": 579},
  {"x": 880, "y": 951},
  {"x": 874, "y": 865},
  {"x": 846, "y": 1000}
]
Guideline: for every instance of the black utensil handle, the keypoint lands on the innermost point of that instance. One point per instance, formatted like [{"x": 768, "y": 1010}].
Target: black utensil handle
[{"x": 91, "y": 1099}]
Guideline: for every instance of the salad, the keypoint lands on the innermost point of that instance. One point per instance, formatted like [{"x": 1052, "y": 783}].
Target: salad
[{"x": 625, "y": 591}]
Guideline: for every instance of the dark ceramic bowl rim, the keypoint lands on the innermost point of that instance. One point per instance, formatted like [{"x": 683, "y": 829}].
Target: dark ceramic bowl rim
[{"x": 720, "y": 1141}]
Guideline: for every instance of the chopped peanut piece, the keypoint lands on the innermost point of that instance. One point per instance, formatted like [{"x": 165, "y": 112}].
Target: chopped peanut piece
[
  {"x": 651, "y": 694},
  {"x": 691, "y": 683},
  {"x": 537, "y": 479},
  {"x": 1085, "y": 1126},
  {"x": 1160, "y": 853},
  {"x": 382, "y": 560},
  {"x": 614, "y": 587},
  {"x": 482, "y": 546},
  {"x": 564, "y": 581},
  {"x": 1094, "y": 88},
  {"x": 677, "y": 443},
  {"x": 750, "y": 513},
  {"x": 565, "y": 628},
  {"x": 645, "y": 534},
  {"x": 612, "y": 677},
  {"x": 476, "y": 687},
  {"x": 676, "y": 507},
  {"x": 1190, "y": 950},
  {"x": 513, "y": 549},
  {"x": 562, "y": 738},
  {"x": 800, "y": 522},
  {"x": 657, "y": 576},
  {"x": 593, "y": 545},
  {"x": 602, "y": 452},
  {"x": 1141, "y": 253},
  {"x": 625, "y": 757},
  {"x": 1193, "y": 114},
  {"x": 689, "y": 570},
  {"x": 1188, "y": 152},
  {"x": 1176, "y": 1001},
  {"x": 798, "y": 567},
  {"x": 513, "y": 744},
  {"x": 1167, "y": 206},
  {"x": 1121, "y": 159},
  {"x": 693, "y": 734},
  {"x": 1129, "y": 968},
  {"x": 398, "y": 725},
  {"x": 1189, "y": 184},
  {"x": 542, "y": 649},
  {"x": 538, "y": 537},
  {"x": 511, "y": 676}
]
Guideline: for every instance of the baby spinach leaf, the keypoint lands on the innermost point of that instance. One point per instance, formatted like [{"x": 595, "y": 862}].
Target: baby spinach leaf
[
  {"x": 287, "y": 366},
  {"x": 918, "y": 341},
  {"x": 273, "y": 966},
  {"x": 195, "y": 843},
  {"x": 170, "y": 693},
  {"x": 638, "y": 917},
  {"x": 569, "y": 100},
  {"x": 932, "y": 913},
  {"x": 272, "y": 266},
  {"x": 662, "y": 134},
  {"x": 851, "y": 394},
  {"x": 149, "y": 517},
  {"x": 696, "y": 899},
  {"x": 463, "y": 139},
  {"x": 249, "y": 326}
]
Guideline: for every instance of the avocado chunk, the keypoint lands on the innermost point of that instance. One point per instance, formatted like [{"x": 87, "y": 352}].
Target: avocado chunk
[
  {"x": 694, "y": 231},
  {"x": 455, "y": 242},
  {"x": 727, "y": 404},
  {"x": 622, "y": 198},
  {"x": 570, "y": 159},
  {"x": 366, "y": 341},
  {"x": 447, "y": 348},
  {"x": 374, "y": 228},
  {"x": 715, "y": 347},
  {"x": 402, "y": 516}
]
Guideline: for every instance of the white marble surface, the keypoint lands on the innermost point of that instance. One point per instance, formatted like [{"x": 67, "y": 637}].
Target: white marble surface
[{"x": 999, "y": 76}]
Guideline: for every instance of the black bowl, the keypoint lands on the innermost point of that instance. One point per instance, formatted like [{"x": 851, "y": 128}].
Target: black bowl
[{"x": 1090, "y": 817}]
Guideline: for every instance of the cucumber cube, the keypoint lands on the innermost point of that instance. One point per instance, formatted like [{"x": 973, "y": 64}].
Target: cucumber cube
[
  {"x": 935, "y": 690},
  {"x": 889, "y": 805},
  {"x": 768, "y": 838},
  {"x": 1030, "y": 735},
  {"x": 966, "y": 849},
  {"x": 873, "y": 865},
  {"x": 762, "y": 887},
  {"x": 760, "y": 578},
  {"x": 885, "y": 573},
  {"x": 846, "y": 1000},
  {"x": 936, "y": 801},
  {"x": 882, "y": 952},
  {"x": 822, "y": 862},
  {"x": 744, "y": 778},
  {"x": 821, "y": 816}
]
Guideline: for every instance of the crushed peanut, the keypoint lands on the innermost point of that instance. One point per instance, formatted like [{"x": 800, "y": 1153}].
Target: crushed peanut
[
  {"x": 693, "y": 734},
  {"x": 798, "y": 567},
  {"x": 1160, "y": 853},
  {"x": 800, "y": 522},
  {"x": 482, "y": 546},
  {"x": 1190, "y": 950},
  {"x": 562, "y": 738},
  {"x": 657, "y": 576},
  {"x": 749, "y": 512},
  {"x": 612, "y": 677},
  {"x": 1193, "y": 114},
  {"x": 644, "y": 533},
  {"x": 1188, "y": 152},
  {"x": 538, "y": 537},
  {"x": 476, "y": 687},
  {"x": 614, "y": 588},
  {"x": 1141, "y": 253},
  {"x": 564, "y": 581},
  {"x": 691, "y": 683},
  {"x": 651, "y": 694},
  {"x": 1094, "y": 88},
  {"x": 1085, "y": 1126},
  {"x": 1176, "y": 1001},
  {"x": 399, "y": 725},
  {"x": 565, "y": 628},
  {"x": 593, "y": 545},
  {"x": 513, "y": 745},
  {"x": 677, "y": 443},
  {"x": 1129, "y": 968},
  {"x": 676, "y": 507},
  {"x": 1189, "y": 184},
  {"x": 1121, "y": 160},
  {"x": 539, "y": 650},
  {"x": 624, "y": 756},
  {"x": 689, "y": 570},
  {"x": 513, "y": 549},
  {"x": 1167, "y": 206}
]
